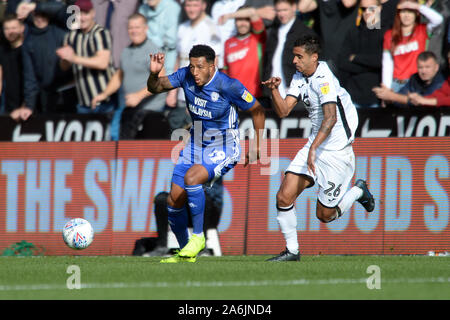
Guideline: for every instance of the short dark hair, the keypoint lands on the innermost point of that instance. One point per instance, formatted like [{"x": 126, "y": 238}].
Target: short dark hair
[
  {"x": 291, "y": 2},
  {"x": 242, "y": 8},
  {"x": 137, "y": 16},
  {"x": 202, "y": 50},
  {"x": 310, "y": 43},
  {"x": 41, "y": 13},
  {"x": 11, "y": 17},
  {"x": 205, "y": 1},
  {"x": 425, "y": 55}
]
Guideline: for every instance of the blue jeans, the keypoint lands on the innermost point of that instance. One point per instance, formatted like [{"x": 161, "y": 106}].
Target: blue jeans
[
  {"x": 117, "y": 117},
  {"x": 106, "y": 107},
  {"x": 397, "y": 85}
]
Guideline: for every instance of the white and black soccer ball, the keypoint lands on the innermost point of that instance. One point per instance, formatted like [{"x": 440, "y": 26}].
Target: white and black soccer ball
[{"x": 78, "y": 233}]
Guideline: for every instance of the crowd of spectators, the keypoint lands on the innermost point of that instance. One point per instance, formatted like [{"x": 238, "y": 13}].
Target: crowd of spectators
[{"x": 92, "y": 56}]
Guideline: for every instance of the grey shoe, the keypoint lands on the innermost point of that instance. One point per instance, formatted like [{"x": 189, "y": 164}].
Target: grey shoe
[{"x": 285, "y": 256}]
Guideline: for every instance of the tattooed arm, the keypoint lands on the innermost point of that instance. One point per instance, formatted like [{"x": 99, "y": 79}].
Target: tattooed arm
[{"x": 328, "y": 122}]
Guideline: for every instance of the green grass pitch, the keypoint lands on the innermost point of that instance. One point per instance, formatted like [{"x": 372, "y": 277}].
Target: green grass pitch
[{"x": 225, "y": 278}]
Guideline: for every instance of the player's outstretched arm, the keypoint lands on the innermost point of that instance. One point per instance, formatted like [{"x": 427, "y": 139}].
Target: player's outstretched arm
[
  {"x": 155, "y": 82},
  {"x": 259, "y": 119},
  {"x": 282, "y": 106}
]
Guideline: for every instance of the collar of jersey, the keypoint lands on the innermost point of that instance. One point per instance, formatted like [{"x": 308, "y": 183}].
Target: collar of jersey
[
  {"x": 215, "y": 72},
  {"x": 309, "y": 77}
]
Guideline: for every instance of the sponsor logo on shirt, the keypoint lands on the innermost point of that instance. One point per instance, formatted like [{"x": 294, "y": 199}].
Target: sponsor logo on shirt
[
  {"x": 200, "y": 111},
  {"x": 238, "y": 55},
  {"x": 406, "y": 48},
  {"x": 232, "y": 44},
  {"x": 200, "y": 102},
  {"x": 214, "y": 96},
  {"x": 198, "y": 108}
]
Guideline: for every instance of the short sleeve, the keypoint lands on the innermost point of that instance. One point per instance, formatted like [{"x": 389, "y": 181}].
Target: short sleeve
[
  {"x": 103, "y": 40},
  {"x": 294, "y": 87},
  {"x": 326, "y": 90},
  {"x": 176, "y": 79},
  {"x": 66, "y": 39},
  {"x": 239, "y": 95}
]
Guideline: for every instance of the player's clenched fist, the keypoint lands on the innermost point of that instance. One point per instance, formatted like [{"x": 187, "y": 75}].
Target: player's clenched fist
[{"x": 272, "y": 83}]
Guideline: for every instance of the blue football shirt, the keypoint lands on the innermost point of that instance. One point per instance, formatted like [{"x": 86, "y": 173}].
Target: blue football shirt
[{"x": 213, "y": 106}]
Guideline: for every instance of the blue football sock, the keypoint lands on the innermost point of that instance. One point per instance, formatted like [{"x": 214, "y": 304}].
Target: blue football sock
[
  {"x": 196, "y": 202},
  {"x": 178, "y": 220}
]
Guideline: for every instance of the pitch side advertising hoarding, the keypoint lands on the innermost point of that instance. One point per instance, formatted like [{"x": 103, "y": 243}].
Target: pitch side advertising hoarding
[
  {"x": 373, "y": 123},
  {"x": 113, "y": 184}
]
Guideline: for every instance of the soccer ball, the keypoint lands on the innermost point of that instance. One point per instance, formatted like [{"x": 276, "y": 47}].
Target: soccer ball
[{"x": 78, "y": 233}]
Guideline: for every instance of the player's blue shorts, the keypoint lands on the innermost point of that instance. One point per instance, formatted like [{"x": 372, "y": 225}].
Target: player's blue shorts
[{"x": 217, "y": 160}]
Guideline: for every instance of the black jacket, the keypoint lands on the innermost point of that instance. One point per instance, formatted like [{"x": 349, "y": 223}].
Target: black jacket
[
  {"x": 11, "y": 62},
  {"x": 41, "y": 64},
  {"x": 297, "y": 30},
  {"x": 364, "y": 72}
]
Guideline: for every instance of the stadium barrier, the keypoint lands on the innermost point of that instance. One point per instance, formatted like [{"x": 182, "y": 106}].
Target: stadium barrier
[
  {"x": 113, "y": 184},
  {"x": 379, "y": 123}
]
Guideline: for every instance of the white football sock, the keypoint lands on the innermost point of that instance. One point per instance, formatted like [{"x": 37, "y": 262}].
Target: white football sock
[
  {"x": 349, "y": 198},
  {"x": 288, "y": 224}
]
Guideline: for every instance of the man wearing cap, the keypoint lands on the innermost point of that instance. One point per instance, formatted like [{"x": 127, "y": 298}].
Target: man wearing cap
[{"x": 88, "y": 51}]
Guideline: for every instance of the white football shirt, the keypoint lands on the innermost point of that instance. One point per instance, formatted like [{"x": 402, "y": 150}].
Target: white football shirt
[{"x": 318, "y": 89}]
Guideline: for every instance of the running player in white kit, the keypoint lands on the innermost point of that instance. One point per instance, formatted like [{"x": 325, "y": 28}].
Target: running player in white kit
[{"x": 327, "y": 158}]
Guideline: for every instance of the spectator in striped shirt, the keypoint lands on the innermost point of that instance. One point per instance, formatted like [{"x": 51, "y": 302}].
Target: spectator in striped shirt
[{"x": 88, "y": 51}]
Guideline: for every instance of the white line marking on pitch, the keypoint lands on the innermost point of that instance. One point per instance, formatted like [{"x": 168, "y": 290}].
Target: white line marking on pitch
[{"x": 199, "y": 284}]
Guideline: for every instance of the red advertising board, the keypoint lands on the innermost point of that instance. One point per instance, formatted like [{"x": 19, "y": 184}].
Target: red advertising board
[
  {"x": 410, "y": 181},
  {"x": 113, "y": 185},
  {"x": 42, "y": 185}
]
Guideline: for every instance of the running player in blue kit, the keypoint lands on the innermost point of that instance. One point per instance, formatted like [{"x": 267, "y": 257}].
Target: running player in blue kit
[{"x": 213, "y": 149}]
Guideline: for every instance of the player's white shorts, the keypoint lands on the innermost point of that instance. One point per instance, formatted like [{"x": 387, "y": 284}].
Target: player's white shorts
[{"x": 334, "y": 172}]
